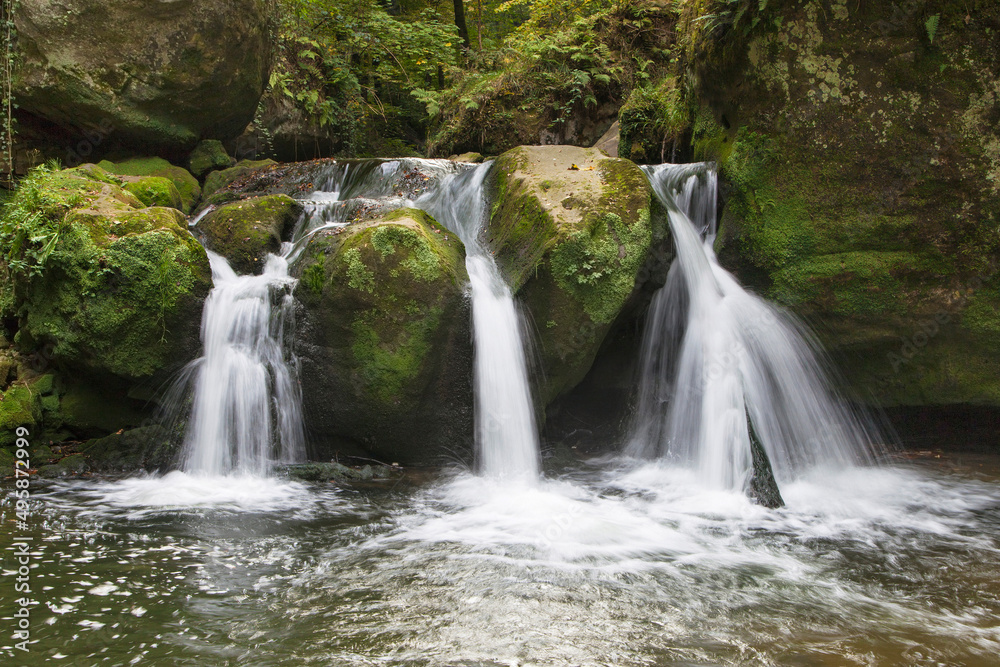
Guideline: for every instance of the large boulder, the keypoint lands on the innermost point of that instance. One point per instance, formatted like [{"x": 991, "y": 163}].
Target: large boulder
[
  {"x": 105, "y": 285},
  {"x": 862, "y": 149},
  {"x": 570, "y": 229},
  {"x": 384, "y": 339},
  {"x": 245, "y": 232},
  {"x": 155, "y": 75}
]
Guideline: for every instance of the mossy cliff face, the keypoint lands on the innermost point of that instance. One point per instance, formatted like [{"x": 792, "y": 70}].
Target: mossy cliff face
[
  {"x": 245, "y": 232},
  {"x": 121, "y": 292},
  {"x": 384, "y": 339},
  {"x": 571, "y": 241},
  {"x": 160, "y": 75},
  {"x": 863, "y": 158}
]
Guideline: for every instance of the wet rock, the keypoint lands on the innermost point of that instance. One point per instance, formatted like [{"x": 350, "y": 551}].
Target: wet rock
[
  {"x": 245, "y": 232},
  {"x": 383, "y": 339},
  {"x": 571, "y": 242}
]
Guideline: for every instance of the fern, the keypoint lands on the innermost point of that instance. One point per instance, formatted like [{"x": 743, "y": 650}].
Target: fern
[{"x": 932, "y": 26}]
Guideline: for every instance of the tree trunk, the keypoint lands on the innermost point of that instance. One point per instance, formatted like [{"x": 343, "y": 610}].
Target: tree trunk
[{"x": 463, "y": 28}]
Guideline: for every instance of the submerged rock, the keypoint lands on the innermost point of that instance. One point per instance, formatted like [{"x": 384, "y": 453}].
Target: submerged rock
[
  {"x": 161, "y": 75},
  {"x": 384, "y": 339},
  {"x": 245, "y": 232},
  {"x": 570, "y": 229}
]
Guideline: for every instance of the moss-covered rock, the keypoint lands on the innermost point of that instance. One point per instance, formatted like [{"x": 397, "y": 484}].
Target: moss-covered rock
[
  {"x": 208, "y": 155},
  {"x": 570, "y": 228},
  {"x": 156, "y": 191},
  {"x": 145, "y": 448},
  {"x": 218, "y": 180},
  {"x": 160, "y": 75},
  {"x": 384, "y": 338},
  {"x": 246, "y": 231},
  {"x": 186, "y": 184},
  {"x": 863, "y": 161},
  {"x": 106, "y": 285}
]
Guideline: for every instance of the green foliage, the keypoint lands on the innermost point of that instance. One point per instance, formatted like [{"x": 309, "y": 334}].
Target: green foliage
[
  {"x": 932, "y": 26},
  {"x": 348, "y": 66},
  {"x": 10, "y": 56},
  {"x": 564, "y": 61},
  {"x": 32, "y": 221}
]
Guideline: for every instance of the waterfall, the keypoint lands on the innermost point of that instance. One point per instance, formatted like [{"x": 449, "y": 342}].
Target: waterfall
[
  {"x": 719, "y": 363},
  {"x": 506, "y": 434},
  {"x": 246, "y": 413}
]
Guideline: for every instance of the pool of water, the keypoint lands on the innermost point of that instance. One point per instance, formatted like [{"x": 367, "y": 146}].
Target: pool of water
[{"x": 608, "y": 563}]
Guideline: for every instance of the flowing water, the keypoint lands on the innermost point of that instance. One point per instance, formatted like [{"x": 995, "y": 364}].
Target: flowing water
[
  {"x": 506, "y": 435},
  {"x": 246, "y": 405},
  {"x": 713, "y": 353},
  {"x": 621, "y": 563}
]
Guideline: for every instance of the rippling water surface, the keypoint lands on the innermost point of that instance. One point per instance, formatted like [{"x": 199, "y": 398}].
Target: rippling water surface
[{"x": 613, "y": 564}]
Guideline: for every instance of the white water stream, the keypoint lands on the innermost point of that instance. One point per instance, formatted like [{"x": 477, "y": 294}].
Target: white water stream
[
  {"x": 506, "y": 434},
  {"x": 714, "y": 353}
]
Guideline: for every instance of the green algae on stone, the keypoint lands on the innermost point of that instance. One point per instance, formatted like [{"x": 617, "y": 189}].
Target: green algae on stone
[
  {"x": 387, "y": 353},
  {"x": 156, "y": 191},
  {"x": 859, "y": 160},
  {"x": 121, "y": 291},
  {"x": 246, "y": 231}
]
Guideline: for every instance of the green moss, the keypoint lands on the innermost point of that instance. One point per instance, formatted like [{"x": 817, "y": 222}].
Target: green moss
[
  {"x": 390, "y": 353},
  {"x": 156, "y": 191},
  {"x": 856, "y": 283},
  {"x": 116, "y": 281},
  {"x": 208, "y": 155},
  {"x": 186, "y": 184},
  {"x": 19, "y": 407},
  {"x": 246, "y": 231},
  {"x": 358, "y": 275},
  {"x": 982, "y": 314}
]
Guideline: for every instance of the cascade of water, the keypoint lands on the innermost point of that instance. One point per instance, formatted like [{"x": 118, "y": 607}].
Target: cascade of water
[
  {"x": 246, "y": 396},
  {"x": 715, "y": 356},
  {"x": 506, "y": 434},
  {"x": 246, "y": 411}
]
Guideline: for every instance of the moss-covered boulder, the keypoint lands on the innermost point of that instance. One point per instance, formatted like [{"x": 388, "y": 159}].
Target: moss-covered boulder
[
  {"x": 161, "y": 75},
  {"x": 245, "y": 232},
  {"x": 208, "y": 155},
  {"x": 862, "y": 148},
  {"x": 570, "y": 228},
  {"x": 186, "y": 184},
  {"x": 218, "y": 180},
  {"x": 384, "y": 339},
  {"x": 102, "y": 283},
  {"x": 156, "y": 191}
]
